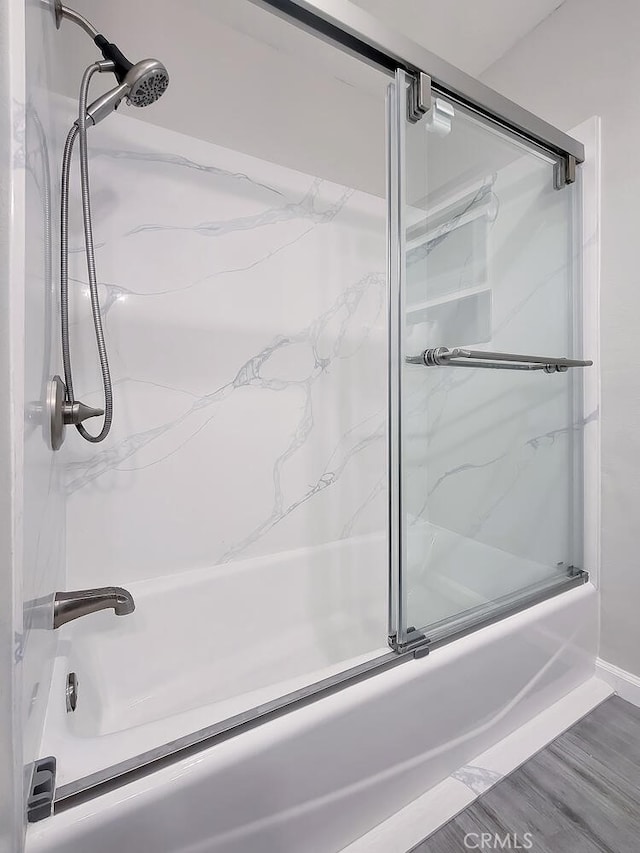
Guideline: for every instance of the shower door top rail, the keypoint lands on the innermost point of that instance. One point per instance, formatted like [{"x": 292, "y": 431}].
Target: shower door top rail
[
  {"x": 346, "y": 25},
  {"x": 463, "y": 357}
]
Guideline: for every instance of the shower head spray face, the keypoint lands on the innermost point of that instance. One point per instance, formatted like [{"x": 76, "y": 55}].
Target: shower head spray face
[
  {"x": 148, "y": 81},
  {"x": 142, "y": 85}
]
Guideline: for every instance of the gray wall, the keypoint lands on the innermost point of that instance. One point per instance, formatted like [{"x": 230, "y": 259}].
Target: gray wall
[{"x": 583, "y": 61}]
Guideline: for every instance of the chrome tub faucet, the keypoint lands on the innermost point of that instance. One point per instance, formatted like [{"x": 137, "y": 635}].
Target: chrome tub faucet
[{"x": 68, "y": 606}]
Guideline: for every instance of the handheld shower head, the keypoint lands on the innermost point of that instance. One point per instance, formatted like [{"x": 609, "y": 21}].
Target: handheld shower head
[
  {"x": 148, "y": 81},
  {"x": 142, "y": 84},
  {"x": 150, "y": 77}
]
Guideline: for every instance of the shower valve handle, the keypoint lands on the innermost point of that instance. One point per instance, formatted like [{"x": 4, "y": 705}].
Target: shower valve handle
[{"x": 63, "y": 412}]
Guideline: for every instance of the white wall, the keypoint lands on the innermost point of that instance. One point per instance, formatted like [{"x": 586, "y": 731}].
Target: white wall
[
  {"x": 243, "y": 78},
  {"x": 31, "y": 508},
  {"x": 260, "y": 106},
  {"x": 470, "y": 34},
  {"x": 580, "y": 62},
  {"x": 244, "y": 306},
  {"x": 11, "y": 293},
  {"x": 298, "y": 254},
  {"x": 43, "y": 500}
]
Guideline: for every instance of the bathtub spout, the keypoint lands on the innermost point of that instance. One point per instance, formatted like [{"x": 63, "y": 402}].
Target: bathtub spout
[{"x": 71, "y": 605}]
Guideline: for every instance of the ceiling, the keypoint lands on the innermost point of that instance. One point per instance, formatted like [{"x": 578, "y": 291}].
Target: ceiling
[{"x": 471, "y": 34}]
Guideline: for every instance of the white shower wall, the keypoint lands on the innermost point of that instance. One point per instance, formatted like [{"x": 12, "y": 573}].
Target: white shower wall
[
  {"x": 32, "y": 506},
  {"x": 43, "y": 498},
  {"x": 245, "y": 318}
]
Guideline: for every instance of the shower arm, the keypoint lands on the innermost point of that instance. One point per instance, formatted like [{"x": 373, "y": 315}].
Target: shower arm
[
  {"x": 111, "y": 52},
  {"x": 64, "y": 12}
]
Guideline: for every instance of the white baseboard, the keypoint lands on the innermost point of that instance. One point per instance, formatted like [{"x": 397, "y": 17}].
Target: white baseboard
[{"x": 624, "y": 683}]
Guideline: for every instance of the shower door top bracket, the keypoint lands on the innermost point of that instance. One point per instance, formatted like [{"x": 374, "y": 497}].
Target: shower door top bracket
[{"x": 418, "y": 97}]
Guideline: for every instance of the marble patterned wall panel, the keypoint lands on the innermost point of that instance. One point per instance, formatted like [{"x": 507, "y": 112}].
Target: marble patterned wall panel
[
  {"x": 40, "y": 469},
  {"x": 245, "y": 307}
]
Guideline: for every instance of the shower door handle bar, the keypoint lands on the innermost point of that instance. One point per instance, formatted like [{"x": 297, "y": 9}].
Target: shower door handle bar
[{"x": 459, "y": 357}]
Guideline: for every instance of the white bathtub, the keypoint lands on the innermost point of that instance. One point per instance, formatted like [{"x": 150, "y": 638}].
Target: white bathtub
[
  {"x": 207, "y": 644},
  {"x": 198, "y": 649}
]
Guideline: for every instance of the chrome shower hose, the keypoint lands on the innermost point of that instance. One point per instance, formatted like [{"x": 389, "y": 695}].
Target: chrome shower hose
[{"x": 79, "y": 131}]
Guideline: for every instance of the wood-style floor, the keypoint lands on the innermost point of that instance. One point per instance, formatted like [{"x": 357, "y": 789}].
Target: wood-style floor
[{"x": 581, "y": 794}]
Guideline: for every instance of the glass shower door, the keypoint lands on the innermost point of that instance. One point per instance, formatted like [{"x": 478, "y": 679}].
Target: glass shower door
[{"x": 485, "y": 385}]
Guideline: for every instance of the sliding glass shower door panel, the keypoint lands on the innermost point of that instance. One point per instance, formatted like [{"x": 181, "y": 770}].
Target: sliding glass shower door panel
[{"x": 486, "y": 429}]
